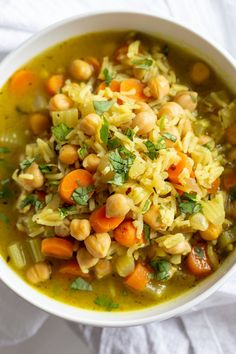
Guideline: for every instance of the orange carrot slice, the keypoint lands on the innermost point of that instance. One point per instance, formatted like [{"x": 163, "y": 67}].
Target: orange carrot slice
[
  {"x": 57, "y": 248},
  {"x": 100, "y": 223},
  {"x": 73, "y": 268},
  {"x": 22, "y": 81},
  {"x": 54, "y": 84},
  {"x": 126, "y": 234},
  {"x": 139, "y": 278},
  {"x": 133, "y": 88},
  {"x": 197, "y": 261}
]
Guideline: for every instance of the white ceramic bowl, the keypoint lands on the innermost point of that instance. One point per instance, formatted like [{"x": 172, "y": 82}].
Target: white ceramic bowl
[{"x": 221, "y": 61}]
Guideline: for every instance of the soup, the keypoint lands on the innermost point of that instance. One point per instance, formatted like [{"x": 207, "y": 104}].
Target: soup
[{"x": 118, "y": 187}]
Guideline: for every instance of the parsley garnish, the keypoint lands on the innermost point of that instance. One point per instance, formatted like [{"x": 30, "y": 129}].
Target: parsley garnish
[
  {"x": 199, "y": 252},
  {"x": 65, "y": 211},
  {"x": 4, "y": 218},
  {"x": 130, "y": 133},
  {"x": 106, "y": 302},
  {"x": 81, "y": 284},
  {"x": 121, "y": 160},
  {"x": 113, "y": 143},
  {"x": 4, "y": 149},
  {"x": 143, "y": 63},
  {"x": 45, "y": 168},
  {"x": 188, "y": 204},
  {"x": 31, "y": 200},
  {"x": 232, "y": 193},
  {"x": 61, "y": 131},
  {"x": 146, "y": 231},
  {"x": 104, "y": 131},
  {"x": 154, "y": 148},
  {"x": 169, "y": 137},
  {"x": 83, "y": 151},
  {"x": 26, "y": 163},
  {"x": 107, "y": 77},
  {"x": 162, "y": 269},
  {"x": 102, "y": 106},
  {"x": 81, "y": 195}
]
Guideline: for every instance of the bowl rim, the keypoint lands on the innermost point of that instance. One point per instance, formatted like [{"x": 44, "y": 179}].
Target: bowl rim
[{"x": 44, "y": 302}]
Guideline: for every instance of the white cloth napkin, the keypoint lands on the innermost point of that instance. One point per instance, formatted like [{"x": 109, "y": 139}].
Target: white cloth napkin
[{"x": 210, "y": 327}]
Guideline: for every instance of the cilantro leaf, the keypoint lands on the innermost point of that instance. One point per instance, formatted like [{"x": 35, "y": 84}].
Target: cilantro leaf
[
  {"x": 44, "y": 168},
  {"x": 121, "y": 160},
  {"x": 189, "y": 196},
  {"x": 61, "y": 131},
  {"x": 65, "y": 211},
  {"x": 169, "y": 136},
  {"x": 107, "y": 77},
  {"x": 162, "y": 269},
  {"x": 154, "y": 148},
  {"x": 113, "y": 143},
  {"x": 4, "y": 218},
  {"x": 104, "y": 131},
  {"x": 188, "y": 204},
  {"x": 4, "y": 149},
  {"x": 130, "y": 133},
  {"x": 106, "y": 302},
  {"x": 143, "y": 63},
  {"x": 81, "y": 284},
  {"x": 81, "y": 195},
  {"x": 199, "y": 252},
  {"x": 26, "y": 163},
  {"x": 102, "y": 106},
  {"x": 83, "y": 151},
  {"x": 31, "y": 200},
  {"x": 232, "y": 193},
  {"x": 146, "y": 231}
]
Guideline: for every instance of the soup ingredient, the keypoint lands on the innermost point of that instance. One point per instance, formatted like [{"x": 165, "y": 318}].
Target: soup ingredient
[
  {"x": 187, "y": 100},
  {"x": 39, "y": 123},
  {"x": 139, "y": 279},
  {"x": 60, "y": 102},
  {"x": 57, "y": 248},
  {"x": 22, "y": 82},
  {"x": 199, "y": 222},
  {"x": 18, "y": 254},
  {"x": 98, "y": 244},
  {"x": 151, "y": 217},
  {"x": 101, "y": 223},
  {"x": 230, "y": 134},
  {"x": 175, "y": 170},
  {"x": 81, "y": 284},
  {"x": 212, "y": 232},
  {"x": 197, "y": 261},
  {"x": 80, "y": 70},
  {"x": 106, "y": 302},
  {"x": 91, "y": 162},
  {"x": 62, "y": 230},
  {"x": 54, "y": 84},
  {"x": 182, "y": 247},
  {"x": 133, "y": 88},
  {"x": 72, "y": 267},
  {"x": 38, "y": 273},
  {"x": 80, "y": 229},
  {"x": 188, "y": 203},
  {"x": 32, "y": 178},
  {"x": 126, "y": 234},
  {"x": 85, "y": 260},
  {"x": 145, "y": 121},
  {"x": 125, "y": 265},
  {"x": 61, "y": 131},
  {"x": 68, "y": 154},
  {"x": 117, "y": 205},
  {"x": 71, "y": 181},
  {"x": 159, "y": 86},
  {"x": 103, "y": 268},
  {"x": 215, "y": 186},
  {"x": 90, "y": 124},
  {"x": 200, "y": 73}
]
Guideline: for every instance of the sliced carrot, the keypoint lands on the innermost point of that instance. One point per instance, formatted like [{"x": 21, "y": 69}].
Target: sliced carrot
[
  {"x": 139, "y": 278},
  {"x": 114, "y": 86},
  {"x": 57, "y": 247},
  {"x": 54, "y": 84},
  {"x": 230, "y": 179},
  {"x": 126, "y": 234},
  {"x": 214, "y": 187},
  {"x": 100, "y": 223},
  {"x": 133, "y": 88},
  {"x": 94, "y": 62},
  {"x": 197, "y": 261},
  {"x": 175, "y": 170},
  {"x": 73, "y": 268},
  {"x": 22, "y": 81},
  {"x": 73, "y": 180}
]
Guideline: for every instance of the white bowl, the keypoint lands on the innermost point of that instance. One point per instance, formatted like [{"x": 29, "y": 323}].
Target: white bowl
[{"x": 218, "y": 58}]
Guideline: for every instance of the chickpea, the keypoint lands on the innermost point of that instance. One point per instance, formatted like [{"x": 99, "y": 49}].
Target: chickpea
[
  {"x": 211, "y": 233},
  {"x": 199, "y": 222},
  {"x": 80, "y": 229},
  {"x": 171, "y": 110},
  {"x": 91, "y": 162},
  {"x": 38, "y": 273},
  {"x": 85, "y": 260},
  {"x": 37, "y": 180},
  {"x": 143, "y": 106},
  {"x": 230, "y": 134},
  {"x": 80, "y": 70},
  {"x": 200, "y": 73},
  {"x": 98, "y": 244},
  {"x": 145, "y": 121},
  {"x": 60, "y": 102},
  {"x": 103, "y": 268},
  {"x": 68, "y": 154},
  {"x": 151, "y": 217},
  {"x": 117, "y": 205},
  {"x": 182, "y": 247},
  {"x": 159, "y": 86},
  {"x": 187, "y": 100},
  {"x": 63, "y": 230},
  {"x": 39, "y": 123},
  {"x": 89, "y": 124}
]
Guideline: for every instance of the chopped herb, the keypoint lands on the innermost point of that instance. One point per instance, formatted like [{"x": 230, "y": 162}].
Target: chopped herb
[
  {"x": 4, "y": 149},
  {"x": 31, "y": 200},
  {"x": 102, "y": 106},
  {"x": 188, "y": 204},
  {"x": 146, "y": 206},
  {"x": 113, "y": 143},
  {"x": 162, "y": 269},
  {"x": 154, "y": 148},
  {"x": 208, "y": 146},
  {"x": 169, "y": 137},
  {"x": 81, "y": 284},
  {"x": 4, "y": 218},
  {"x": 162, "y": 123},
  {"x": 121, "y": 160},
  {"x": 165, "y": 50},
  {"x": 146, "y": 231},
  {"x": 61, "y": 131},
  {"x": 107, "y": 77},
  {"x": 189, "y": 196},
  {"x": 199, "y": 252},
  {"x": 81, "y": 195},
  {"x": 104, "y": 131},
  {"x": 232, "y": 193},
  {"x": 130, "y": 133},
  {"x": 83, "y": 151},
  {"x": 106, "y": 302},
  {"x": 65, "y": 211},
  {"x": 143, "y": 63},
  {"x": 45, "y": 168},
  {"x": 26, "y": 163},
  {"x": 5, "y": 191}
]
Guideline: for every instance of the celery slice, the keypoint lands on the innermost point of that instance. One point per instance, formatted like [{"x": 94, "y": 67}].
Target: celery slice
[
  {"x": 34, "y": 246},
  {"x": 18, "y": 255}
]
